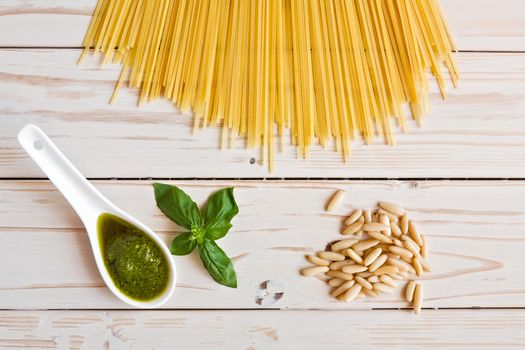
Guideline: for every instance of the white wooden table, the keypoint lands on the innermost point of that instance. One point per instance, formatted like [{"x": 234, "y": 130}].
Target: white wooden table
[{"x": 462, "y": 176}]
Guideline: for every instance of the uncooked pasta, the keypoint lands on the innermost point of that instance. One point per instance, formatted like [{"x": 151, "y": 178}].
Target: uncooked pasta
[{"x": 274, "y": 72}]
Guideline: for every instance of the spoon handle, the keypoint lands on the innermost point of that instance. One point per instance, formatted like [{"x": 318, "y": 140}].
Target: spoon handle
[{"x": 87, "y": 201}]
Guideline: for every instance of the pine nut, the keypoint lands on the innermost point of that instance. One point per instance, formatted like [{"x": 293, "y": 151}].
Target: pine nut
[
  {"x": 375, "y": 217},
  {"x": 409, "y": 291},
  {"x": 344, "y": 244},
  {"x": 407, "y": 238},
  {"x": 340, "y": 275},
  {"x": 412, "y": 230},
  {"x": 392, "y": 208},
  {"x": 365, "y": 274},
  {"x": 411, "y": 247},
  {"x": 314, "y": 271},
  {"x": 401, "y": 252},
  {"x": 418, "y": 298},
  {"x": 392, "y": 255},
  {"x": 364, "y": 283},
  {"x": 398, "y": 243},
  {"x": 396, "y": 231},
  {"x": 391, "y": 217},
  {"x": 337, "y": 198},
  {"x": 424, "y": 247},
  {"x": 340, "y": 297},
  {"x": 359, "y": 234},
  {"x": 389, "y": 281},
  {"x": 426, "y": 266},
  {"x": 374, "y": 254},
  {"x": 361, "y": 295},
  {"x": 404, "y": 224},
  {"x": 359, "y": 252},
  {"x": 354, "y": 217},
  {"x": 331, "y": 256},
  {"x": 317, "y": 261},
  {"x": 342, "y": 288},
  {"x": 335, "y": 282},
  {"x": 352, "y": 293},
  {"x": 353, "y": 269},
  {"x": 380, "y": 237},
  {"x": 407, "y": 259},
  {"x": 417, "y": 266},
  {"x": 354, "y": 256},
  {"x": 355, "y": 227},
  {"x": 403, "y": 274},
  {"x": 370, "y": 293},
  {"x": 374, "y": 226},
  {"x": 383, "y": 246},
  {"x": 395, "y": 276},
  {"x": 400, "y": 264},
  {"x": 337, "y": 265},
  {"x": 385, "y": 221},
  {"x": 383, "y": 288},
  {"x": 367, "y": 214},
  {"x": 363, "y": 245},
  {"x": 373, "y": 279},
  {"x": 377, "y": 263},
  {"x": 387, "y": 269}
]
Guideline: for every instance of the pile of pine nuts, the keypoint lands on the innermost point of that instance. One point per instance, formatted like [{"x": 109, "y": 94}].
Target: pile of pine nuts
[{"x": 383, "y": 247}]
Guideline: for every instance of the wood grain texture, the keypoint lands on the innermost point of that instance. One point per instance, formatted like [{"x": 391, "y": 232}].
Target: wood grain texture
[
  {"x": 475, "y": 231},
  {"x": 251, "y": 330},
  {"x": 476, "y": 24},
  {"x": 475, "y": 228},
  {"x": 478, "y": 132}
]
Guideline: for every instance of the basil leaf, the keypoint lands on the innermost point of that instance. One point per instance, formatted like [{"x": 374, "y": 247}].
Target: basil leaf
[
  {"x": 217, "y": 228},
  {"x": 221, "y": 205},
  {"x": 183, "y": 244},
  {"x": 218, "y": 264},
  {"x": 177, "y": 206}
]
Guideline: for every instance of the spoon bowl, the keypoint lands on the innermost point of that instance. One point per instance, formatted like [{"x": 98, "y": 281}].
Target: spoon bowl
[{"x": 90, "y": 204}]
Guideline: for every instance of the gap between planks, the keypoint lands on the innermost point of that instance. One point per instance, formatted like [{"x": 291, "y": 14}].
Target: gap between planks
[
  {"x": 430, "y": 179},
  {"x": 376, "y": 309}
]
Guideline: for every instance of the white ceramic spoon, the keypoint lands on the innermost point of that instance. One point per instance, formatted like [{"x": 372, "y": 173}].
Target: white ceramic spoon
[{"x": 89, "y": 204}]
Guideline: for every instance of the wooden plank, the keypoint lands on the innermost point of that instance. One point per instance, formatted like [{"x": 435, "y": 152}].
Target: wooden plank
[
  {"x": 478, "y": 132},
  {"x": 451, "y": 329},
  {"x": 486, "y": 25},
  {"x": 475, "y": 229},
  {"x": 476, "y": 24}
]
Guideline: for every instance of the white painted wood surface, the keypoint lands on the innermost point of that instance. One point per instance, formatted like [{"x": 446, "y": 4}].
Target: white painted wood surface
[
  {"x": 476, "y": 228},
  {"x": 478, "y": 132},
  {"x": 475, "y": 231},
  {"x": 250, "y": 330},
  {"x": 476, "y": 24}
]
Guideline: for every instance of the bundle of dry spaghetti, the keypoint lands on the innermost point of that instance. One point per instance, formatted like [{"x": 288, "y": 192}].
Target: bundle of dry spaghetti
[{"x": 330, "y": 71}]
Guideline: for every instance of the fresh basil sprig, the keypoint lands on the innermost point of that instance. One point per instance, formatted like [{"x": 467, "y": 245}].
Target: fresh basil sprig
[{"x": 203, "y": 228}]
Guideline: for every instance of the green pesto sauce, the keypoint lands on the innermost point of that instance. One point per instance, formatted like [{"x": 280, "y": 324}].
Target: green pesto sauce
[{"x": 134, "y": 261}]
